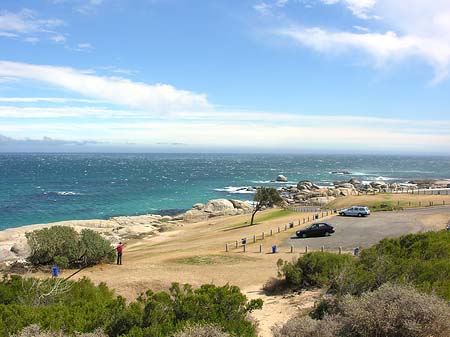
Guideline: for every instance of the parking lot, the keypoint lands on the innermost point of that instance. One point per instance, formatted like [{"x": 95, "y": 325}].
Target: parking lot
[{"x": 363, "y": 232}]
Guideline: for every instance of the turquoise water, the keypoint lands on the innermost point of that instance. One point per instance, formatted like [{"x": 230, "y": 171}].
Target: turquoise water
[{"x": 40, "y": 188}]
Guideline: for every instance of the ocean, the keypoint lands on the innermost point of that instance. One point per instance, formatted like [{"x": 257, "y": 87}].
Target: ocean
[{"x": 42, "y": 188}]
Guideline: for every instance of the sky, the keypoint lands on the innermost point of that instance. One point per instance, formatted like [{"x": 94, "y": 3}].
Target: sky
[{"x": 284, "y": 76}]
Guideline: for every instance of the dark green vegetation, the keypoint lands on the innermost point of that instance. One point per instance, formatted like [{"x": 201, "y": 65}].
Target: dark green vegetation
[
  {"x": 389, "y": 311},
  {"x": 63, "y": 246},
  {"x": 399, "y": 287},
  {"x": 422, "y": 260},
  {"x": 70, "y": 307},
  {"x": 265, "y": 197}
]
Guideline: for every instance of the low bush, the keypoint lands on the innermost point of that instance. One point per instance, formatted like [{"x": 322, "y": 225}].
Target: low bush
[
  {"x": 317, "y": 269},
  {"x": 63, "y": 246},
  {"x": 67, "y": 307},
  {"x": 420, "y": 259},
  {"x": 390, "y": 311},
  {"x": 202, "y": 330}
]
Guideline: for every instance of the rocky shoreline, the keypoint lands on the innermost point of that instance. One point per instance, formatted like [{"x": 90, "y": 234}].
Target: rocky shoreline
[{"x": 13, "y": 244}]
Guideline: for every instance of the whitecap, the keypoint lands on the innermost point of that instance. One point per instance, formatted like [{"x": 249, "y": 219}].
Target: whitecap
[
  {"x": 66, "y": 193},
  {"x": 236, "y": 190}
]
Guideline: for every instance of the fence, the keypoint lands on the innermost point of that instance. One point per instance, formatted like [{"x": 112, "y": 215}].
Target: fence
[
  {"x": 283, "y": 228},
  {"x": 305, "y": 209},
  {"x": 417, "y": 191}
]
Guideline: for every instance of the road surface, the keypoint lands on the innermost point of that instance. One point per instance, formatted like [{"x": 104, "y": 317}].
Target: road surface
[{"x": 363, "y": 232}]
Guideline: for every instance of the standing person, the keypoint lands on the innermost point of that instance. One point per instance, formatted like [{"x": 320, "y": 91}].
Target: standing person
[{"x": 119, "y": 249}]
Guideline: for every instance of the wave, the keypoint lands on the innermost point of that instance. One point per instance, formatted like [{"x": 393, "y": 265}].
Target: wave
[
  {"x": 66, "y": 193},
  {"x": 273, "y": 182},
  {"x": 236, "y": 190}
]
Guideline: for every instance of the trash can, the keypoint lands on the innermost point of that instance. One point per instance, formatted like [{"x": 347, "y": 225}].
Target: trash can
[
  {"x": 274, "y": 249},
  {"x": 317, "y": 216},
  {"x": 55, "y": 271},
  {"x": 291, "y": 225},
  {"x": 244, "y": 241},
  {"x": 356, "y": 251}
]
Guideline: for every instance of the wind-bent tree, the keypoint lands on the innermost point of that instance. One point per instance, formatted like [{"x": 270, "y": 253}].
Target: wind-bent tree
[{"x": 265, "y": 197}]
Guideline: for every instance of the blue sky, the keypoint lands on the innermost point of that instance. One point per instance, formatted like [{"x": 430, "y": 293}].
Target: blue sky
[{"x": 225, "y": 75}]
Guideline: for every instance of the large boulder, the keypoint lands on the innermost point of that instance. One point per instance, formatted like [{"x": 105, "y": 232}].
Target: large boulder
[
  {"x": 195, "y": 215},
  {"x": 282, "y": 178},
  {"x": 218, "y": 205},
  {"x": 321, "y": 201},
  {"x": 346, "y": 185},
  {"x": 238, "y": 204},
  {"x": 354, "y": 181},
  {"x": 21, "y": 248}
]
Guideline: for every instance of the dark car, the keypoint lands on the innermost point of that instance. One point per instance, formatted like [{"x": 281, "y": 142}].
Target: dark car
[{"x": 316, "y": 229}]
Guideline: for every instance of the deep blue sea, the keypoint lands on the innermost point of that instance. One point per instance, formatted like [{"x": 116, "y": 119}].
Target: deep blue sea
[{"x": 41, "y": 188}]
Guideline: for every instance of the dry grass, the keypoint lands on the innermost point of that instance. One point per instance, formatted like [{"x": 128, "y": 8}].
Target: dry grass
[{"x": 384, "y": 201}]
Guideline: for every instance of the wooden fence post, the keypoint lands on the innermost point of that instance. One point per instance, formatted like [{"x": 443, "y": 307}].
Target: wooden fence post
[
  {"x": 237, "y": 243},
  {"x": 244, "y": 247},
  {"x": 340, "y": 250},
  {"x": 322, "y": 249},
  {"x": 254, "y": 238},
  {"x": 260, "y": 248},
  {"x": 292, "y": 249},
  {"x": 306, "y": 249},
  {"x": 271, "y": 232},
  {"x": 226, "y": 247}
]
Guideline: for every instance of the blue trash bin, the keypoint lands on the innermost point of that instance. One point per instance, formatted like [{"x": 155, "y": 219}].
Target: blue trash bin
[
  {"x": 55, "y": 271},
  {"x": 244, "y": 241},
  {"x": 274, "y": 249},
  {"x": 291, "y": 225},
  {"x": 356, "y": 251}
]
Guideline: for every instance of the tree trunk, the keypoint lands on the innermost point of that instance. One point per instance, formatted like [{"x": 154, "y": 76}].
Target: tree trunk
[{"x": 253, "y": 216}]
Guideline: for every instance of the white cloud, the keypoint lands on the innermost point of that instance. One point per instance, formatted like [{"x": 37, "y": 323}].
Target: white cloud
[
  {"x": 32, "y": 39},
  {"x": 58, "y": 38},
  {"x": 359, "y": 8},
  {"x": 383, "y": 47},
  {"x": 239, "y": 135},
  {"x": 43, "y": 99},
  {"x": 26, "y": 21},
  {"x": 154, "y": 99}
]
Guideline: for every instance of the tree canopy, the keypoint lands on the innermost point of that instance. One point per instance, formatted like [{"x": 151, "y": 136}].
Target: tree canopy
[{"x": 265, "y": 197}]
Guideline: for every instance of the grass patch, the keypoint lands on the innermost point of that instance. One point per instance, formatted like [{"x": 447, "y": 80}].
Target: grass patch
[
  {"x": 387, "y": 201},
  {"x": 201, "y": 260},
  {"x": 262, "y": 217}
]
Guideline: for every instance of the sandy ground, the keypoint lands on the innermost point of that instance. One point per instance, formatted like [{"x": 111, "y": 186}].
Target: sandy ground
[{"x": 195, "y": 254}]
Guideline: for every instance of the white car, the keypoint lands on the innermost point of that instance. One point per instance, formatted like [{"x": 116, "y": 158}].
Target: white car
[{"x": 355, "y": 211}]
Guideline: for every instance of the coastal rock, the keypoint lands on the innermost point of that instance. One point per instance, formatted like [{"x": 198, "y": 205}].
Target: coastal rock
[
  {"x": 346, "y": 185},
  {"x": 354, "y": 182},
  {"x": 282, "y": 178},
  {"x": 194, "y": 215},
  {"x": 238, "y": 204},
  {"x": 21, "y": 248},
  {"x": 321, "y": 201},
  {"x": 198, "y": 206},
  {"x": 219, "y": 205}
]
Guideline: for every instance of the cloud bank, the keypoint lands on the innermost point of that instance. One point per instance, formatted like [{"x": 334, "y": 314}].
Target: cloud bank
[{"x": 154, "y": 99}]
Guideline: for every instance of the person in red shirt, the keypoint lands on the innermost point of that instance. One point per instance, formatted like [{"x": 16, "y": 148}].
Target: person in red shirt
[{"x": 119, "y": 249}]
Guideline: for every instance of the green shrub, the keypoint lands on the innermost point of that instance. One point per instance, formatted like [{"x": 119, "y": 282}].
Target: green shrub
[
  {"x": 94, "y": 248},
  {"x": 68, "y": 307},
  {"x": 202, "y": 330},
  {"x": 48, "y": 243},
  {"x": 315, "y": 269},
  {"x": 420, "y": 259},
  {"x": 63, "y": 246},
  {"x": 390, "y": 311}
]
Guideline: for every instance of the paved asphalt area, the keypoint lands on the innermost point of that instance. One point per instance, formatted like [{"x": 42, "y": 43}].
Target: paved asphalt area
[{"x": 363, "y": 232}]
